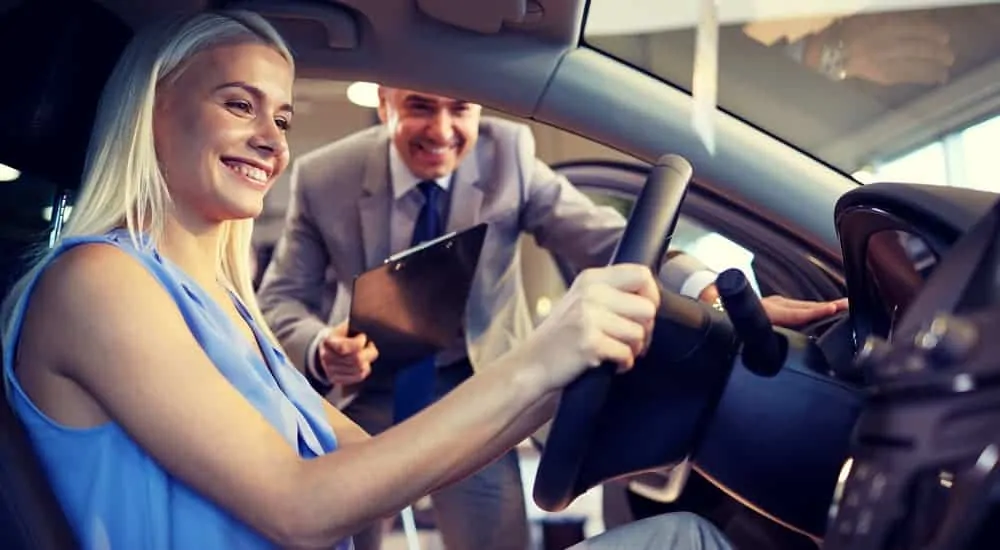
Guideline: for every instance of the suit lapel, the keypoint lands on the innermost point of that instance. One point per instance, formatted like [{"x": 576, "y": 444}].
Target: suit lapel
[
  {"x": 466, "y": 194},
  {"x": 375, "y": 203}
]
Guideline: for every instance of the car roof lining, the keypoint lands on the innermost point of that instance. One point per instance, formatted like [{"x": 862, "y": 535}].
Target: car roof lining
[
  {"x": 536, "y": 70},
  {"x": 539, "y": 72},
  {"x": 546, "y": 77}
]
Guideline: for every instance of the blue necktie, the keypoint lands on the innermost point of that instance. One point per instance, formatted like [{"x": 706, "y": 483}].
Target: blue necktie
[{"x": 413, "y": 388}]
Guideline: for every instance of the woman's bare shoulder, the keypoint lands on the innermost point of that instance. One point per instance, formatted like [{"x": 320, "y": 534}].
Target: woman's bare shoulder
[
  {"x": 87, "y": 274},
  {"x": 91, "y": 283}
]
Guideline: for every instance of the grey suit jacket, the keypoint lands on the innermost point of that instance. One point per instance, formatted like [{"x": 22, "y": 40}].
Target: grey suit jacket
[{"x": 338, "y": 227}]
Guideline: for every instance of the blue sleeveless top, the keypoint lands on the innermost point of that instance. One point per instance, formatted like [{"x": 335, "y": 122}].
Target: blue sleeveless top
[{"x": 115, "y": 495}]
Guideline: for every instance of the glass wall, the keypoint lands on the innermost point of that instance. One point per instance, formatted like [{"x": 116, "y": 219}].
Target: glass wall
[{"x": 965, "y": 158}]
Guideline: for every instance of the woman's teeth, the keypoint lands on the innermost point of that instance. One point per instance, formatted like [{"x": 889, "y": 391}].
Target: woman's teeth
[{"x": 250, "y": 172}]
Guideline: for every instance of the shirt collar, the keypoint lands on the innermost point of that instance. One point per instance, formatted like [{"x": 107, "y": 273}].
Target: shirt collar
[{"x": 403, "y": 180}]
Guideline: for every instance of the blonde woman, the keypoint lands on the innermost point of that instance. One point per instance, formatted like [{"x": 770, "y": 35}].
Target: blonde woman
[{"x": 134, "y": 353}]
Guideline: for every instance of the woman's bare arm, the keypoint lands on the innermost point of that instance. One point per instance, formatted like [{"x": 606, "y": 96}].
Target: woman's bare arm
[
  {"x": 144, "y": 368},
  {"x": 348, "y": 432}
]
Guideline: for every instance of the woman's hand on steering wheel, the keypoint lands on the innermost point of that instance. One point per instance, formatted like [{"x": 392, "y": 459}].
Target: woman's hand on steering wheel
[{"x": 607, "y": 315}]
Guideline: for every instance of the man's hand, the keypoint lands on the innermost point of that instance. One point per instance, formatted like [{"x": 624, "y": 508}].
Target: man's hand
[
  {"x": 887, "y": 49},
  {"x": 346, "y": 360},
  {"x": 789, "y": 313},
  {"x": 786, "y": 312}
]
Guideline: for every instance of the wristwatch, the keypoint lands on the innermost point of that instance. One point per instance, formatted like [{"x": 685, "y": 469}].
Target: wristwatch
[
  {"x": 832, "y": 60},
  {"x": 717, "y": 305}
]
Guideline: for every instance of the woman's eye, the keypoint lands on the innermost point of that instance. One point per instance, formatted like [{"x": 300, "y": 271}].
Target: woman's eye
[
  {"x": 285, "y": 125},
  {"x": 240, "y": 105}
]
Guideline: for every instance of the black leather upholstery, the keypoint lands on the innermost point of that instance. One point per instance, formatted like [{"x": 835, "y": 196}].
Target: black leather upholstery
[
  {"x": 30, "y": 516},
  {"x": 57, "y": 54}
]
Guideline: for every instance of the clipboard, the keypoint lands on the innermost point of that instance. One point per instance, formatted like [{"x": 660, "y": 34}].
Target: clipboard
[{"x": 413, "y": 305}]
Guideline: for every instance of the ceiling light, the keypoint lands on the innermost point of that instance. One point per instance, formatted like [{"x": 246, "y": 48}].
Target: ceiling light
[
  {"x": 364, "y": 94},
  {"x": 7, "y": 173}
]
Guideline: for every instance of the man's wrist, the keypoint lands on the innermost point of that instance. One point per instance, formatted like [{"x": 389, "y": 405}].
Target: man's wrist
[
  {"x": 824, "y": 52},
  {"x": 700, "y": 285},
  {"x": 832, "y": 60},
  {"x": 684, "y": 274},
  {"x": 315, "y": 368},
  {"x": 313, "y": 365},
  {"x": 796, "y": 50},
  {"x": 318, "y": 380}
]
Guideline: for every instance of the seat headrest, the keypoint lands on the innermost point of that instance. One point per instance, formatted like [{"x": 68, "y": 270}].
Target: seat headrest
[{"x": 57, "y": 56}]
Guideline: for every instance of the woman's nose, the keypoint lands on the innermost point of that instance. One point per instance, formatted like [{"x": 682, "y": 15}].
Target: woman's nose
[{"x": 270, "y": 138}]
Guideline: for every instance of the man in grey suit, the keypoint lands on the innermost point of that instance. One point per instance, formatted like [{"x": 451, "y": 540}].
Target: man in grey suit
[{"x": 359, "y": 200}]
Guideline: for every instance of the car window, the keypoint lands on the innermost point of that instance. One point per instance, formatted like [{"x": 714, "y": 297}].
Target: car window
[
  {"x": 960, "y": 158},
  {"x": 711, "y": 248},
  {"x": 544, "y": 282},
  {"x": 883, "y": 90}
]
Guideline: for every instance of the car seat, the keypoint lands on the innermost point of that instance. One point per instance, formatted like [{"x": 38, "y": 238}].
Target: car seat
[
  {"x": 57, "y": 56},
  {"x": 30, "y": 516}
]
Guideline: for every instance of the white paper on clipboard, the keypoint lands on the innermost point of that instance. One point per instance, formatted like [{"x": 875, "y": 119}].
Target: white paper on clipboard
[{"x": 705, "y": 83}]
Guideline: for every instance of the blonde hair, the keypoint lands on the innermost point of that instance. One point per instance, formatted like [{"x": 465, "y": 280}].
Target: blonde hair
[{"x": 123, "y": 185}]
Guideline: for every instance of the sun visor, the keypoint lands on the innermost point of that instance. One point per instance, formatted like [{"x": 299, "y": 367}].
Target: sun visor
[
  {"x": 59, "y": 53},
  {"x": 308, "y": 25},
  {"x": 482, "y": 17}
]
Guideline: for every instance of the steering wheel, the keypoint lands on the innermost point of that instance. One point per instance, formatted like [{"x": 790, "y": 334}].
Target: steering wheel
[
  {"x": 689, "y": 397},
  {"x": 645, "y": 240}
]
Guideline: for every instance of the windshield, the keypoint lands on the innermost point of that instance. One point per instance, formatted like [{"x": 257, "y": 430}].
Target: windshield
[{"x": 884, "y": 93}]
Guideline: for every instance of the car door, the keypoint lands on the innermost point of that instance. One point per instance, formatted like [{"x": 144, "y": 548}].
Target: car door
[{"x": 721, "y": 233}]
